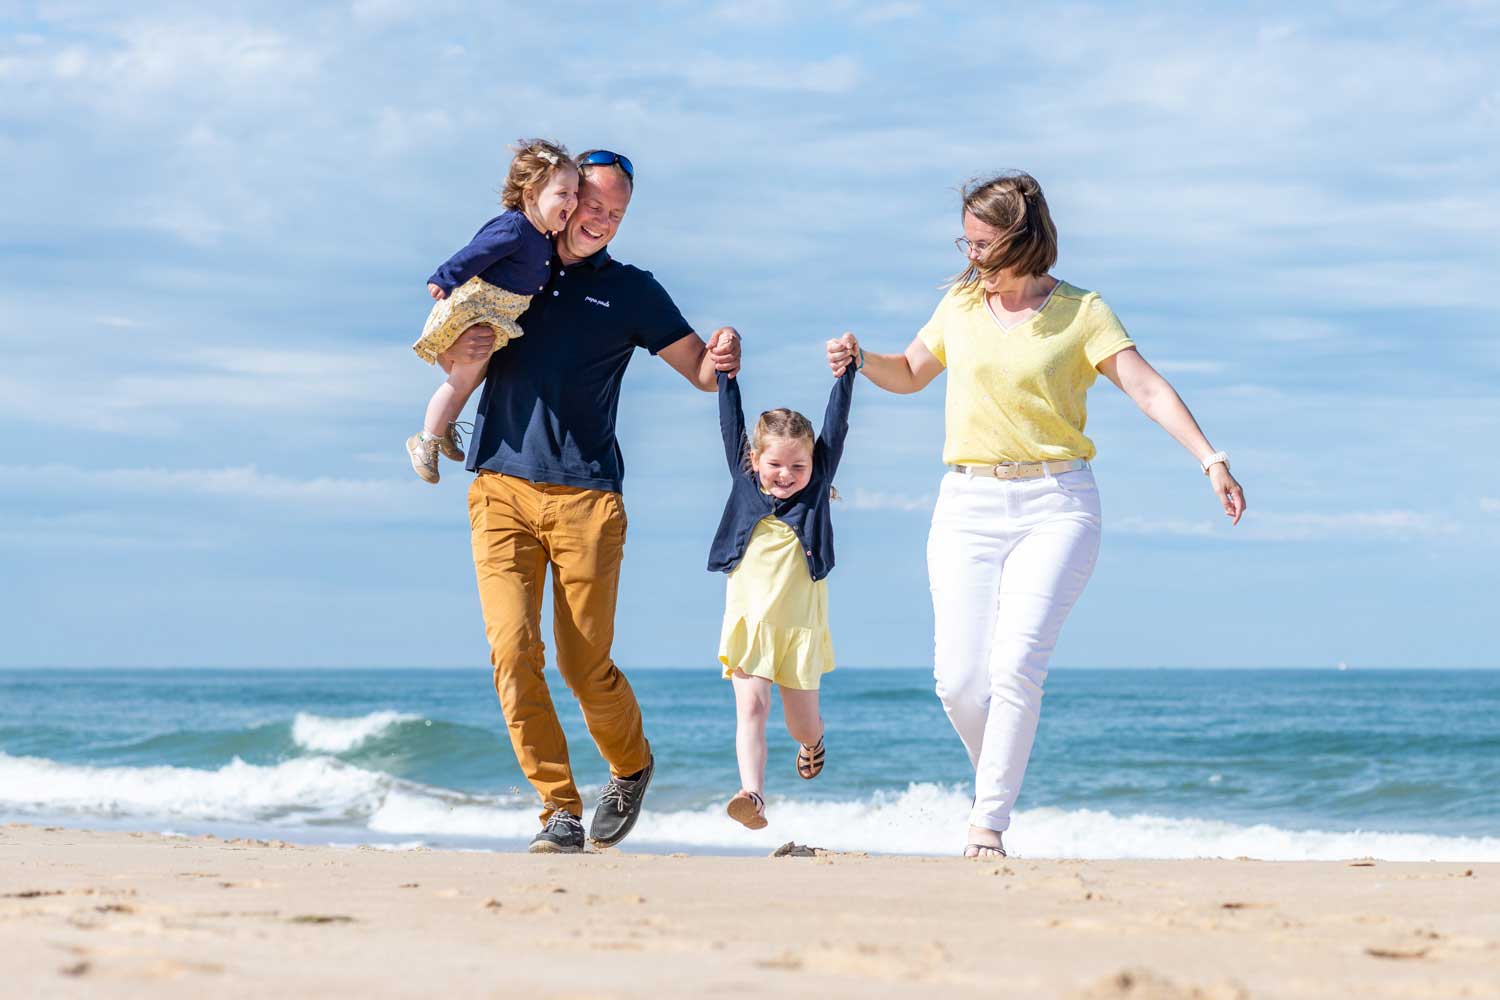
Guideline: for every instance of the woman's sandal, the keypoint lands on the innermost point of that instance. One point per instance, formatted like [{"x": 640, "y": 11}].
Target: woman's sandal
[
  {"x": 748, "y": 809},
  {"x": 979, "y": 850},
  {"x": 810, "y": 759}
]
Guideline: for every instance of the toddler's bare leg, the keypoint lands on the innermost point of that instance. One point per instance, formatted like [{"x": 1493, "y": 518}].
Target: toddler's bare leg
[
  {"x": 448, "y": 402},
  {"x": 752, "y": 704}
]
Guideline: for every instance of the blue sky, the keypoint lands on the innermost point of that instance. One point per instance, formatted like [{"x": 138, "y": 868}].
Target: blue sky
[{"x": 217, "y": 224}]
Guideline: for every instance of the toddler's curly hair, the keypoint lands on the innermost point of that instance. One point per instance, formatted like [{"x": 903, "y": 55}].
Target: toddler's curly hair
[{"x": 532, "y": 167}]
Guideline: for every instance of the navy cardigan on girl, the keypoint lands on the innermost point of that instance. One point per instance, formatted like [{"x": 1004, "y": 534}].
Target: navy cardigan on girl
[{"x": 805, "y": 512}]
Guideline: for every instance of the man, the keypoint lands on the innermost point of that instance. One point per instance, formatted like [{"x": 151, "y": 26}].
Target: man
[{"x": 547, "y": 493}]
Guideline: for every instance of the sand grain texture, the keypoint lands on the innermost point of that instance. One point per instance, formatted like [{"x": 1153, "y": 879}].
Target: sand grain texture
[{"x": 118, "y": 914}]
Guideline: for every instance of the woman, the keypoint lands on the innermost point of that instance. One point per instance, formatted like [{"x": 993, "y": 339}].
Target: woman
[{"x": 1015, "y": 532}]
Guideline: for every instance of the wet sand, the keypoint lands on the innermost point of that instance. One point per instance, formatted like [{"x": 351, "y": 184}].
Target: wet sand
[{"x": 126, "y": 914}]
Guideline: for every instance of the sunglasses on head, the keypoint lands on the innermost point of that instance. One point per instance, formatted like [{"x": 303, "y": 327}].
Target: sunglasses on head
[{"x": 607, "y": 158}]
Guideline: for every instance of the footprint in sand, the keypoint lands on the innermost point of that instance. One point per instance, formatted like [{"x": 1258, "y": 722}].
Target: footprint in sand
[
  {"x": 1397, "y": 953},
  {"x": 1143, "y": 984},
  {"x": 169, "y": 968},
  {"x": 321, "y": 918}
]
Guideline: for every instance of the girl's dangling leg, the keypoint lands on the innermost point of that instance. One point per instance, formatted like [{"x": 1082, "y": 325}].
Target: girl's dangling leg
[
  {"x": 752, "y": 704},
  {"x": 806, "y": 727}
]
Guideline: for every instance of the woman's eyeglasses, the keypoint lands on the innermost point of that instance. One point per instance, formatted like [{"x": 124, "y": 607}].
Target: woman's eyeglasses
[
  {"x": 965, "y": 246},
  {"x": 607, "y": 158}
]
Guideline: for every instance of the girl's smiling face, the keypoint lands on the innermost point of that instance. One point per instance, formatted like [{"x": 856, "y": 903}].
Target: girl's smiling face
[
  {"x": 783, "y": 465},
  {"x": 557, "y": 199}
]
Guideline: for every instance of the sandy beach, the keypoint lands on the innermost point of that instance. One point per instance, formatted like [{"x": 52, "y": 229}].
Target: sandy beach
[{"x": 142, "y": 914}]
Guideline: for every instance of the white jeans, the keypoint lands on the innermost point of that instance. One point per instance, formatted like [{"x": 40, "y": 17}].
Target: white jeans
[{"x": 1007, "y": 560}]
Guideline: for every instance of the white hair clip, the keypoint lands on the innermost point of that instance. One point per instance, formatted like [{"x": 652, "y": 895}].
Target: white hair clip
[{"x": 547, "y": 155}]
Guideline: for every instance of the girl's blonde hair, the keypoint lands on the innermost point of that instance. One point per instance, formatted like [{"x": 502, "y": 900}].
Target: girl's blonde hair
[
  {"x": 1013, "y": 203},
  {"x": 532, "y": 167},
  {"x": 788, "y": 425}
]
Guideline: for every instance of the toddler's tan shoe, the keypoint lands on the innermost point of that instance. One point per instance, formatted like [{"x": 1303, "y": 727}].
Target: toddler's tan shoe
[{"x": 424, "y": 456}]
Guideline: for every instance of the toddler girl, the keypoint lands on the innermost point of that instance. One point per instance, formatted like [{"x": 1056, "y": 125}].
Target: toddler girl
[
  {"x": 489, "y": 283},
  {"x": 776, "y": 543}
]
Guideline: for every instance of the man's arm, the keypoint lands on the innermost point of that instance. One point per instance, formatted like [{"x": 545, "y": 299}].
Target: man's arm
[
  {"x": 701, "y": 363},
  {"x": 474, "y": 344}
]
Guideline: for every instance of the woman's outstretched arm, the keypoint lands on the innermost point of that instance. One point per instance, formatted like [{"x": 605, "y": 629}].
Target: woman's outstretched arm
[
  {"x": 900, "y": 373},
  {"x": 1156, "y": 398}
]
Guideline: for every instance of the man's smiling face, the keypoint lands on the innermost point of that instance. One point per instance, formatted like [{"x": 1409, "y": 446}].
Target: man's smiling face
[{"x": 603, "y": 197}]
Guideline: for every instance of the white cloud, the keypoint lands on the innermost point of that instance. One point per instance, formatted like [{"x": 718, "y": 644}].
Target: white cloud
[
  {"x": 860, "y": 498},
  {"x": 96, "y": 531},
  {"x": 384, "y": 12},
  {"x": 882, "y": 13},
  {"x": 755, "y": 12},
  {"x": 404, "y": 130},
  {"x": 1247, "y": 194},
  {"x": 1281, "y": 526},
  {"x": 1170, "y": 527},
  {"x": 835, "y": 75},
  {"x": 165, "y": 388},
  {"x": 1298, "y": 329},
  {"x": 128, "y": 62},
  {"x": 235, "y": 483}
]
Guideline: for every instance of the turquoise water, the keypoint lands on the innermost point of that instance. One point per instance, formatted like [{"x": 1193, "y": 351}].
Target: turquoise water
[{"x": 1167, "y": 763}]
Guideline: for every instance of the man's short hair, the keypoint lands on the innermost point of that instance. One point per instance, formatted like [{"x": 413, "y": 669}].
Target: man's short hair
[{"x": 584, "y": 169}]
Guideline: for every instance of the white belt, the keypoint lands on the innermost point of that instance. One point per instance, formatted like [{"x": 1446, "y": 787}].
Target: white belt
[{"x": 1021, "y": 470}]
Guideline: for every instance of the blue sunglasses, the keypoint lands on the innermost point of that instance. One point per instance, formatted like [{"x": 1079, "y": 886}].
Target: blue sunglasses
[{"x": 607, "y": 158}]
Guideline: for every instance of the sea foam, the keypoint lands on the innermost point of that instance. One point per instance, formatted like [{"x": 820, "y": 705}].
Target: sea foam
[
  {"x": 930, "y": 819},
  {"x": 323, "y": 734},
  {"x": 307, "y": 789},
  {"x": 294, "y": 798}
]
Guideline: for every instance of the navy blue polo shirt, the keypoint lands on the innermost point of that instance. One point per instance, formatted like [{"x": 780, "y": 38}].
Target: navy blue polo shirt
[
  {"x": 507, "y": 252},
  {"x": 548, "y": 409}
]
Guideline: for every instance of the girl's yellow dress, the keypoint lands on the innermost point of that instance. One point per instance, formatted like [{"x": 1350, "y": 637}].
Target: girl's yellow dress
[
  {"x": 775, "y": 614},
  {"x": 475, "y": 302}
]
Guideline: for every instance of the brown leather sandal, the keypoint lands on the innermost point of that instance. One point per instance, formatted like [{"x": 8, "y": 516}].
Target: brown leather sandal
[
  {"x": 748, "y": 809},
  {"x": 810, "y": 759}
]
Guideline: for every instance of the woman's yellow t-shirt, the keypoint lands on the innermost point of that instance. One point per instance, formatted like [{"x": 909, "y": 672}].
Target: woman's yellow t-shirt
[{"x": 1017, "y": 394}]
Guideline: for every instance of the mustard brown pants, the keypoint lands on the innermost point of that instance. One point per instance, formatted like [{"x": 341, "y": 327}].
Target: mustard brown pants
[{"x": 520, "y": 528}]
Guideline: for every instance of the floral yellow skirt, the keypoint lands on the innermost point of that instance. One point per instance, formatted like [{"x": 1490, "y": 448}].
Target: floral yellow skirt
[
  {"x": 474, "y": 303},
  {"x": 775, "y": 614}
]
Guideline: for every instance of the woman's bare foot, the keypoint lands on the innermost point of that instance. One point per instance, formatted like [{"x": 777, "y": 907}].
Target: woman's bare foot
[{"x": 984, "y": 843}]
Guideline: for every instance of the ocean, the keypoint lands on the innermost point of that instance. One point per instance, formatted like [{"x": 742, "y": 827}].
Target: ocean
[{"x": 1273, "y": 764}]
